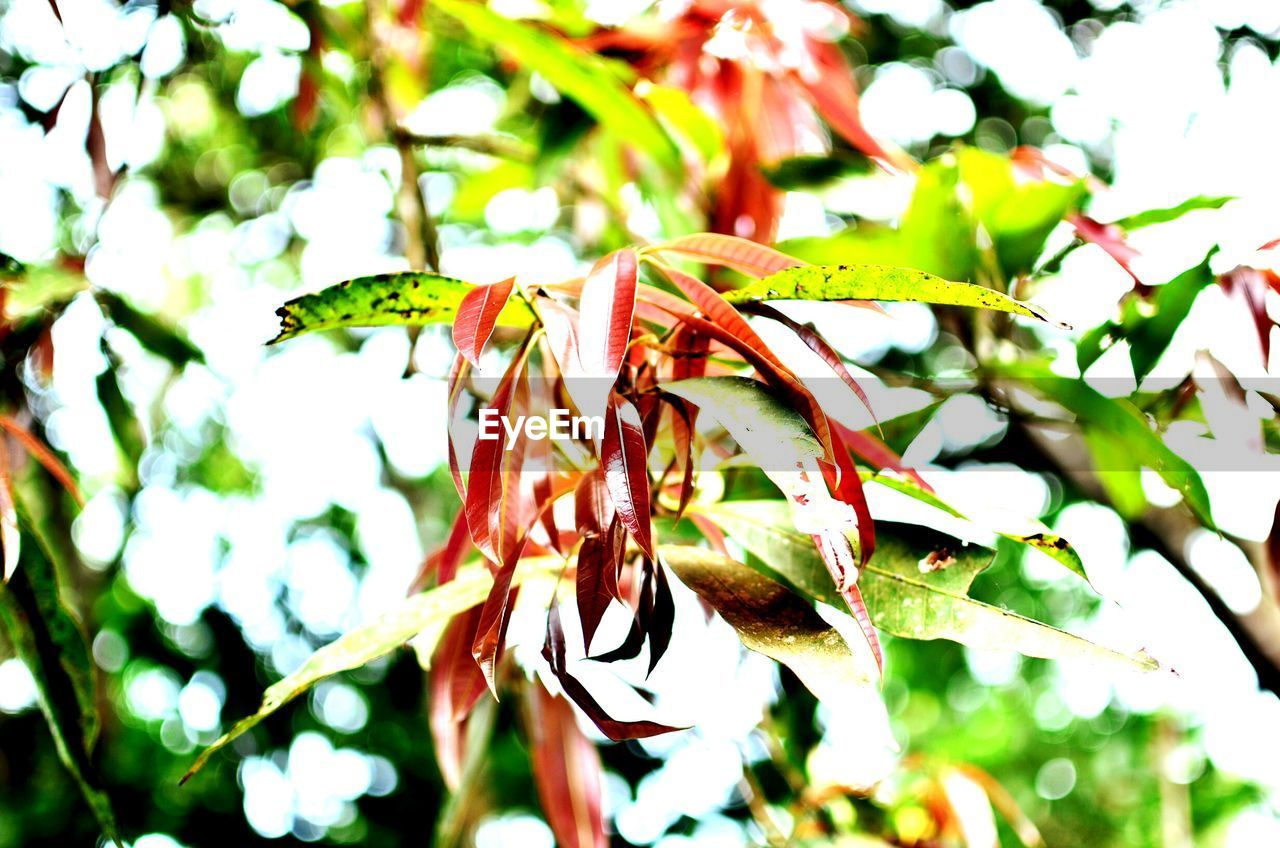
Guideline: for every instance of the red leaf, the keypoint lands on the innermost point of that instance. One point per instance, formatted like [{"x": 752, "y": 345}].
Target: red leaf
[
  {"x": 837, "y": 554},
  {"x": 1111, "y": 239},
  {"x": 477, "y": 315},
  {"x": 846, "y": 485},
  {"x": 597, "y": 583},
  {"x": 607, "y": 306},
  {"x": 624, "y": 459},
  {"x": 661, "y": 619},
  {"x": 742, "y": 255},
  {"x": 592, "y": 508},
  {"x": 495, "y": 615},
  {"x": 712, "y": 533},
  {"x": 877, "y": 453},
  {"x": 567, "y": 772},
  {"x": 44, "y": 456},
  {"x": 1250, "y": 286},
  {"x": 444, "y": 561},
  {"x": 553, "y": 651},
  {"x": 816, "y": 343},
  {"x": 457, "y": 373},
  {"x": 828, "y": 80},
  {"x": 454, "y": 686}
]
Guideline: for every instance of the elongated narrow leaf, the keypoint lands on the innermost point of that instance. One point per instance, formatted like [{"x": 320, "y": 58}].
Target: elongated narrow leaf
[
  {"x": 1049, "y": 544},
  {"x": 574, "y": 72},
  {"x": 780, "y": 624},
  {"x": 877, "y": 282},
  {"x": 915, "y": 587},
  {"x": 10, "y": 538},
  {"x": 406, "y": 299},
  {"x": 829, "y": 82},
  {"x": 454, "y": 685},
  {"x": 49, "y": 640},
  {"x": 477, "y": 316},
  {"x": 1136, "y": 444},
  {"x": 1171, "y": 213},
  {"x": 43, "y": 455},
  {"x": 597, "y": 583},
  {"x": 153, "y": 334},
  {"x": 606, "y": 307},
  {"x": 566, "y": 770},
  {"x": 742, "y": 255},
  {"x": 553, "y": 651},
  {"x": 624, "y": 460},
  {"x": 418, "y": 614}
]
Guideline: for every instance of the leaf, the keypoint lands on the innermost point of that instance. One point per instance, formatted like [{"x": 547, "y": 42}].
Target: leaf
[
  {"x": 596, "y": 583},
  {"x": 43, "y": 455},
  {"x": 432, "y": 609},
  {"x": 916, "y": 586},
  {"x": 1018, "y": 214},
  {"x": 566, "y": 770},
  {"x": 1127, "y": 429},
  {"x": 1049, "y": 544},
  {"x": 476, "y": 317},
  {"x": 1151, "y": 217},
  {"x": 156, "y": 336},
  {"x": 454, "y": 685},
  {"x": 829, "y": 82},
  {"x": 52, "y": 644},
  {"x": 742, "y": 255},
  {"x": 606, "y": 307},
  {"x": 772, "y": 620},
  {"x": 578, "y": 74},
  {"x": 10, "y": 537},
  {"x": 687, "y": 121},
  {"x": 877, "y": 282},
  {"x": 553, "y": 651},
  {"x": 405, "y": 299},
  {"x": 624, "y": 460}
]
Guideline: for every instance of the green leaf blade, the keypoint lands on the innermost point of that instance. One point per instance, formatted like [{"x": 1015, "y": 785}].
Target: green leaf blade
[{"x": 878, "y": 282}]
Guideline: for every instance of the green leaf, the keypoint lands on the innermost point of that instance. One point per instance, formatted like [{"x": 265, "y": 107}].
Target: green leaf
[
  {"x": 1137, "y": 444},
  {"x": 1017, "y": 214},
  {"x": 50, "y": 641},
  {"x": 1049, "y": 544},
  {"x": 580, "y": 75},
  {"x": 1149, "y": 335},
  {"x": 775, "y": 621},
  {"x": 426, "y": 613},
  {"x": 916, "y": 586},
  {"x": 409, "y": 298},
  {"x": 1151, "y": 217},
  {"x": 877, "y": 282},
  {"x": 685, "y": 118},
  {"x": 154, "y": 335}
]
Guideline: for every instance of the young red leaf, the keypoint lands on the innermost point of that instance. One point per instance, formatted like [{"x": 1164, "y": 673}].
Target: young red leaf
[
  {"x": 846, "y": 485},
  {"x": 624, "y": 460},
  {"x": 455, "y": 684},
  {"x": 816, "y": 343},
  {"x": 828, "y": 80},
  {"x": 593, "y": 511},
  {"x": 742, "y": 255},
  {"x": 837, "y": 554},
  {"x": 457, "y": 372},
  {"x": 477, "y": 316},
  {"x": 662, "y": 619},
  {"x": 566, "y": 770},
  {"x": 44, "y": 456},
  {"x": 1111, "y": 239},
  {"x": 553, "y": 651},
  {"x": 597, "y": 583},
  {"x": 444, "y": 561},
  {"x": 607, "y": 306},
  {"x": 495, "y": 615},
  {"x": 877, "y": 453}
]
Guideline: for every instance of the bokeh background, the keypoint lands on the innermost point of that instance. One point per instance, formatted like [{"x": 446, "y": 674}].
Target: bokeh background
[{"x": 202, "y": 162}]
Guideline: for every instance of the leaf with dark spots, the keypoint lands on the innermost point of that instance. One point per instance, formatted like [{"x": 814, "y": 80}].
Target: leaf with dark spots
[
  {"x": 624, "y": 460},
  {"x": 566, "y": 770},
  {"x": 477, "y": 315},
  {"x": 742, "y": 255},
  {"x": 51, "y": 643},
  {"x": 406, "y": 299},
  {"x": 606, "y": 306},
  {"x": 553, "y": 651},
  {"x": 878, "y": 282}
]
